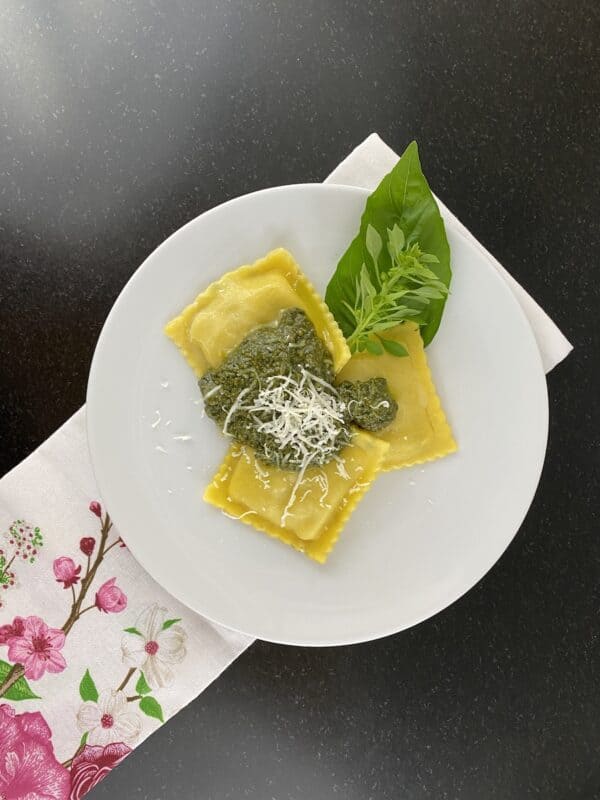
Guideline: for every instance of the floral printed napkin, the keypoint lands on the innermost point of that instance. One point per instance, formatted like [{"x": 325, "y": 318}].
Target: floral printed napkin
[{"x": 94, "y": 655}]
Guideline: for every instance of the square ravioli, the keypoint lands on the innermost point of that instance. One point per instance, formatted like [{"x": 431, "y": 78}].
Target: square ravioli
[
  {"x": 420, "y": 431},
  {"x": 308, "y": 516},
  {"x": 208, "y": 329}
]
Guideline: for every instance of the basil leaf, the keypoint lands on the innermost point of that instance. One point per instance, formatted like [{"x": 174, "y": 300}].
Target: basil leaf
[
  {"x": 396, "y": 240},
  {"x": 393, "y": 348},
  {"x": 403, "y": 204},
  {"x": 372, "y": 346},
  {"x": 374, "y": 245}
]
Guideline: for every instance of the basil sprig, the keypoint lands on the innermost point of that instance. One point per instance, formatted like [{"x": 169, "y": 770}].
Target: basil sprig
[
  {"x": 404, "y": 292},
  {"x": 375, "y": 287}
]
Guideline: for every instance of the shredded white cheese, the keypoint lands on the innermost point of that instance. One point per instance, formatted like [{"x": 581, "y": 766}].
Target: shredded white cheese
[
  {"x": 156, "y": 422},
  {"x": 290, "y": 502},
  {"x": 210, "y": 393},
  {"x": 381, "y": 404},
  {"x": 262, "y": 475},
  {"x": 323, "y": 485},
  {"x": 341, "y": 468},
  {"x": 304, "y": 416},
  {"x": 241, "y": 516},
  {"x": 204, "y": 398},
  {"x": 237, "y": 403}
]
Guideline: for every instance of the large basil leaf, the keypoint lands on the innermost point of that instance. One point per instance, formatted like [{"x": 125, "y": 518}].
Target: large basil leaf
[{"x": 404, "y": 198}]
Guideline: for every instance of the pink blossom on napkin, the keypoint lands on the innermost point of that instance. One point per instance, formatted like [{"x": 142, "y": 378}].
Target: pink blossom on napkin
[
  {"x": 28, "y": 768},
  {"x": 86, "y": 545},
  {"x": 15, "y": 628},
  {"x": 110, "y": 598},
  {"x": 37, "y": 648},
  {"x": 96, "y": 508},
  {"x": 92, "y": 765},
  {"x": 66, "y": 571}
]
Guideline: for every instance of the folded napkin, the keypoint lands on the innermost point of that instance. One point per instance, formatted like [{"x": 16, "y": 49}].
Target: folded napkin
[{"x": 94, "y": 655}]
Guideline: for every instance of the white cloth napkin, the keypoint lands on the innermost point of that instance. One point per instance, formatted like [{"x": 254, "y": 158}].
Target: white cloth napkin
[{"x": 100, "y": 673}]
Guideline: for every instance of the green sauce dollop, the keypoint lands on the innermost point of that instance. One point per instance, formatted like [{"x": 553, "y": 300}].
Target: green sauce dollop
[{"x": 290, "y": 353}]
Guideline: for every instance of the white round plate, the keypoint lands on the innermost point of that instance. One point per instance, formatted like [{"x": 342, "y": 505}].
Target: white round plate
[{"x": 419, "y": 539}]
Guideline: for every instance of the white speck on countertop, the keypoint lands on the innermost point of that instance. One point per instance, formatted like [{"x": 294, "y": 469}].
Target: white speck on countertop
[
  {"x": 182, "y": 437},
  {"x": 165, "y": 384},
  {"x": 160, "y": 449}
]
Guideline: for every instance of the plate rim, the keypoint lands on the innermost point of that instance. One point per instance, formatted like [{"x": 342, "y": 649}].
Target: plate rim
[{"x": 137, "y": 552}]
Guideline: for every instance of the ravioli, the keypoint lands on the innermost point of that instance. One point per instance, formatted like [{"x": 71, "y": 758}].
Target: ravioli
[
  {"x": 309, "y": 516},
  {"x": 308, "y": 511},
  {"x": 221, "y": 316},
  {"x": 420, "y": 431}
]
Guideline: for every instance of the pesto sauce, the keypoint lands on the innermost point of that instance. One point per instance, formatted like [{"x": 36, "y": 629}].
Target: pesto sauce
[
  {"x": 368, "y": 403},
  {"x": 289, "y": 348}
]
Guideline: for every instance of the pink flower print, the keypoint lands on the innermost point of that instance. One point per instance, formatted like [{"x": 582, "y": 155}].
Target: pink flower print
[
  {"x": 28, "y": 767},
  {"x": 155, "y": 648},
  {"x": 96, "y": 508},
  {"x": 109, "y": 720},
  {"x": 92, "y": 765},
  {"x": 37, "y": 648},
  {"x": 110, "y": 598},
  {"x": 66, "y": 571},
  {"x": 16, "y": 628},
  {"x": 86, "y": 545}
]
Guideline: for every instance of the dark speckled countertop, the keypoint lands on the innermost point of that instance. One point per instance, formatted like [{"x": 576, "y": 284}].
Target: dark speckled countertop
[{"x": 119, "y": 121}]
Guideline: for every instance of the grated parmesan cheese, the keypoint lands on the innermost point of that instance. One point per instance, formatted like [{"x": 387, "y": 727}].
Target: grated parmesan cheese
[
  {"x": 234, "y": 407},
  {"x": 156, "y": 422},
  {"x": 305, "y": 417}
]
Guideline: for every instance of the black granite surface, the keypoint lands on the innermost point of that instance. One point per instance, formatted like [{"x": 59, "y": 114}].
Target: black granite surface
[{"x": 119, "y": 121}]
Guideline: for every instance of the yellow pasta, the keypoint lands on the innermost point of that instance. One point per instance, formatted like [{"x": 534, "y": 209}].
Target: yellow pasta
[
  {"x": 309, "y": 516},
  {"x": 420, "y": 431},
  {"x": 220, "y": 317},
  {"x": 308, "y": 511}
]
